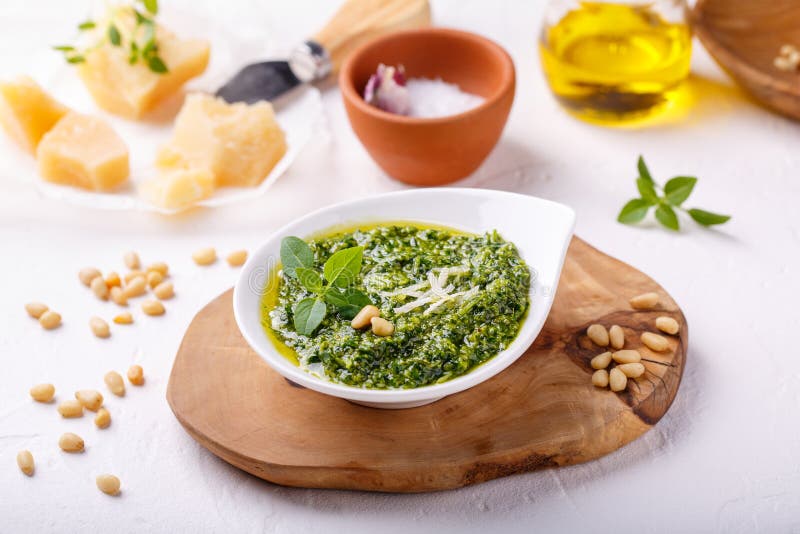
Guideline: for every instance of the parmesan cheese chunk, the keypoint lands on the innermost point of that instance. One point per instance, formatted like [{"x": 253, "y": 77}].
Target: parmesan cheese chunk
[
  {"x": 27, "y": 112},
  {"x": 179, "y": 189},
  {"x": 83, "y": 151}
]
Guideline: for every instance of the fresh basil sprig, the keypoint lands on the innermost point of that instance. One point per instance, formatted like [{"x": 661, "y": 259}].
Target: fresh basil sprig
[
  {"x": 332, "y": 287},
  {"x": 666, "y": 200}
]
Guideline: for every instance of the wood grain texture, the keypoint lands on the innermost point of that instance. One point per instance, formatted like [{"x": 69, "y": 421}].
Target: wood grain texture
[
  {"x": 744, "y": 37},
  {"x": 540, "y": 412}
]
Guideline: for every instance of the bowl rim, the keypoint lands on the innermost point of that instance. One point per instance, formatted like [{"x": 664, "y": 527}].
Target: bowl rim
[
  {"x": 473, "y": 377},
  {"x": 348, "y": 89}
]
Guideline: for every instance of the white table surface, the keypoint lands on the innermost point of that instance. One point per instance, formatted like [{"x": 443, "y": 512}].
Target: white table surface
[{"x": 725, "y": 458}]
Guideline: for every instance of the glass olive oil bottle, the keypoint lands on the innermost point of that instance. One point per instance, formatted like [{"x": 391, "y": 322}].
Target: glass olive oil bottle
[{"x": 610, "y": 62}]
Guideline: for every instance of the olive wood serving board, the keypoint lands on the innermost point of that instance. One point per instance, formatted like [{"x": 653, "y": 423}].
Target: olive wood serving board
[{"x": 540, "y": 412}]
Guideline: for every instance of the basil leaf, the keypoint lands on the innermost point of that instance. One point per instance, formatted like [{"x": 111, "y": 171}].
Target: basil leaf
[
  {"x": 343, "y": 267},
  {"x": 310, "y": 279},
  {"x": 76, "y": 59},
  {"x": 678, "y": 189},
  {"x": 308, "y": 315},
  {"x": 88, "y": 25},
  {"x": 157, "y": 65},
  {"x": 151, "y": 6},
  {"x": 114, "y": 36},
  {"x": 295, "y": 253},
  {"x": 647, "y": 190},
  {"x": 634, "y": 211},
  {"x": 64, "y": 48},
  {"x": 666, "y": 216},
  {"x": 348, "y": 302},
  {"x": 644, "y": 172},
  {"x": 707, "y": 218}
]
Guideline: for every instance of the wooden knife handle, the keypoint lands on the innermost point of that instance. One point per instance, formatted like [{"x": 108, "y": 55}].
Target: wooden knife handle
[{"x": 357, "y": 21}]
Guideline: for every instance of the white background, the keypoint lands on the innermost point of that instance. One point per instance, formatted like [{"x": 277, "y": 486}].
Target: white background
[{"x": 725, "y": 458}]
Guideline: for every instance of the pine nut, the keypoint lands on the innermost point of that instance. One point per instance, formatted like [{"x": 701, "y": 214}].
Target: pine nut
[
  {"x": 655, "y": 342},
  {"x": 381, "y": 327},
  {"x": 87, "y": 274},
  {"x": 627, "y": 356},
  {"x": 70, "y": 408},
  {"x": 631, "y": 370},
  {"x": 108, "y": 484},
  {"x": 154, "y": 278},
  {"x": 616, "y": 336},
  {"x": 25, "y": 462},
  {"x": 43, "y": 392},
  {"x": 136, "y": 287},
  {"x": 601, "y": 361},
  {"x": 118, "y": 296},
  {"x": 89, "y": 399},
  {"x": 123, "y": 318},
  {"x": 645, "y": 301},
  {"x": 617, "y": 380},
  {"x": 783, "y": 63},
  {"x": 164, "y": 291},
  {"x": 102, "y": 419},
  {"x": 113, "y": 280},
  {"x": 136, "y": 375},
  {"x": 50, "y": 320},
  {"x": 363, "y": 317},
  {"x": 160, "y": 267},
  {"x": 99, "y": 288},
  {"x": 115, "y": 383},
  {"x": 153, "y": 307},
  {"x": 99, "y": 327},
  {"x": 600, "y": 378},
  {"x": 668, "y": 325},
  {"x": 598, "y": 334},
  {"x": 133, "y": 274},
  {"x": 35, "y": 309},
  {"x": 205, "y": 256},
  {"x": 237, "y": 258},
  {"x": 70, "y": 442},
  {"x": 131, "y": 260}
]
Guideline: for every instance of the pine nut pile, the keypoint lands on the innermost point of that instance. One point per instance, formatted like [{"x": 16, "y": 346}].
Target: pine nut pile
[{"x": 627, "y": 362}]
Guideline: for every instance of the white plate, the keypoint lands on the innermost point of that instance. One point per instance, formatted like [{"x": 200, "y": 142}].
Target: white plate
[{"x": 540, "y": 229}]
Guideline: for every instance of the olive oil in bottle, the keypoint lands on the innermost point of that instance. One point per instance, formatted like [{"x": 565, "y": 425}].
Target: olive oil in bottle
[{"x": 610, "y": 62}]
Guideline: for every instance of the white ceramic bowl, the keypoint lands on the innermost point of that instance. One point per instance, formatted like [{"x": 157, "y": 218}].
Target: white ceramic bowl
[{"x": 540, "y": 229}]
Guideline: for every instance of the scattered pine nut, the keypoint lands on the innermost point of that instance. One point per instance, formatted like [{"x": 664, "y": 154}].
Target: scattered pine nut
[
  {"x": 655, "y": 342},
  {"x": 631, "y": 370},
  {"x": 627, "y": 356},
  {"x": 364, "y": 317},
  {"x": 108, "y": 484},
  {"x": 50, "y": 320},
  {"x": 381, "y": 327},
  {"x": 35, "y": 309},
  {"x": 99, "y": 327},
  {"x": 600, "y": 378},
  {"x": 70, "y": 408},
  {"x": 115, "y": 383},
  {"x": 645, "y": 301},
  {"x": 598, "y": 334},
  {"x": 616, "y": 336},
  {"x": 668, "y": 325},
  {"x": 154, "y": 278},
  {"x": 89, "y": 399},
  {"x": 87, "y": 274},
  {"x": 617, "y": 380},
  {"x": 136, "y": 287},
  {"x": 25, "y": 462},
  {"x": 43, "y": 392},
  {"x": 102, "y": 419},
  {"x": 113, "y": 280},
  {"x": 131, "y": 260},
  {"x": 123, "y": 318},
  {"x": 601, "y": 361},
  {"x": 160, "y": 267},
  {"x": 133, "y": 274},
  {"x": 153, "y": 307},
  {"x": 118, "y": 296},
  {"x": 70, "y": 442},
  {"x": 205, "y": 256},
  {"x": 136, "y": 375},
  {"x": 164, "y": 291},
  {"x": 237, "y": 258},
  {"x": 99, "y": 288}
]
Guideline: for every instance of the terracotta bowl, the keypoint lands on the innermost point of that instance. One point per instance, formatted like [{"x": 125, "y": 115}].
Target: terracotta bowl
[{"x": 431, "y": 151}]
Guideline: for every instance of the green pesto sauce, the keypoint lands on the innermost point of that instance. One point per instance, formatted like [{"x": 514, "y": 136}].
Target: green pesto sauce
[{"x": 427, "y": 347}]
